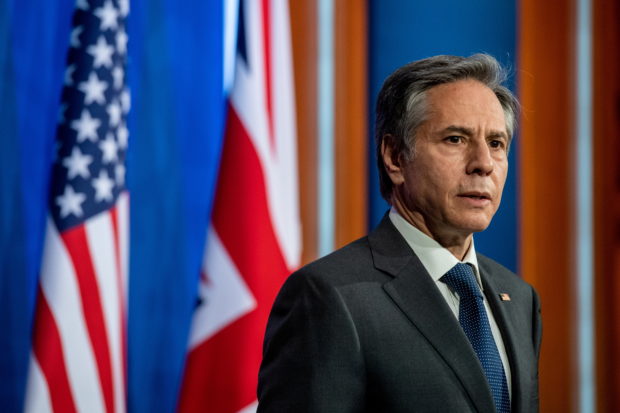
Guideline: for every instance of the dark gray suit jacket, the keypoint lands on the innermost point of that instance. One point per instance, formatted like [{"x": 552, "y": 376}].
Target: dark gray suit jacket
[{"x": 365, "y": 329}]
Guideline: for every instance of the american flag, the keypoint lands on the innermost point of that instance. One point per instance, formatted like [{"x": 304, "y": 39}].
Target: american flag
[
  {"x": 78, "y": 353},
  {"x": 253, "y": 241}
]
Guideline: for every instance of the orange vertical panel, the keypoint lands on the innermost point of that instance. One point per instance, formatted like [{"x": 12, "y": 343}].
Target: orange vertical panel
[
  {"x": 606, "y": 151},
  {"x": 547, "y": 255},
  {"x": 304, "y": 36},
  {"x": 351, "y": 126}
]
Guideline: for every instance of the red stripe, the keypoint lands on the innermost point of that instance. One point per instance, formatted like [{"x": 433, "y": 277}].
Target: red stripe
[
  {"x": 47, "y": 348},
  {"x": 222, "y": 373},
  {"x": 77, "y": 245},
  {"x": 267, "y": 56},
  {"x": 121, "y": 293}
]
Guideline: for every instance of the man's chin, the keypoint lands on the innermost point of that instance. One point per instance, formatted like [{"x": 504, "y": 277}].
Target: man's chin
[{"x": 476, "y": 225}]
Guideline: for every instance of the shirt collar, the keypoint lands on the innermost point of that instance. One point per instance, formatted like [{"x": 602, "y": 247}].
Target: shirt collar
[{"x": 436, "y": 259}]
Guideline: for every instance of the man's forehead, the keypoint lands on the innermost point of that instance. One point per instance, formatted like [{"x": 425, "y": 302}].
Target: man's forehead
[{"x": 464, "y": 104}]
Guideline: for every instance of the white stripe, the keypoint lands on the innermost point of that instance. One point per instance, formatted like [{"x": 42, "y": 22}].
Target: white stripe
[
  {"x": 225, "y": 295},
  {"x": 282, "y": 185},
  {"x": 279, "y": 163},
  {"x": 100, "y": 236},
  {"x": 584, "y": 239},
  {"x": 37, "y": 392},
  {"x": 122, "y": 208},
  {"x": 59, "y": 285}
]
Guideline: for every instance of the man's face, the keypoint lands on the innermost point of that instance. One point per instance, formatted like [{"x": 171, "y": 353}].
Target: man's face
[{"x": 453, "y": 184}]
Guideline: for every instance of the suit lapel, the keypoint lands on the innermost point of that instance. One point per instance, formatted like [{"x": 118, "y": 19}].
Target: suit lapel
[
  {"x": 415, "y": 293},
  {"x": 504, "y": 317}
]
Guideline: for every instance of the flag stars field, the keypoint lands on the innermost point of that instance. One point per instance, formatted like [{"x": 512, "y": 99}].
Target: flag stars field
[
  {"x": 82, "y": 5},
  {"x": 75, "y": 37},
  {"x": 93, "y": 89},
  {"x": 121, "y": 41},
  {"x": 118, "y": 75},
  {"x": 109, "y": 149},
  {"x": 103, "y": 187},
  {"x": 69, "y": 75},
  {"x": 123, "y": 136},
  {"x": 101, "y": 53},
  {"x": 61, "y": 113},
  {"x": 119, "y": 171},
  {"x": 77, "y": 164},
  {"x": 70, "y": 202},
  {"x": 114, "y": 113},
  {"x": 108, "y": 16},
  {"x": 86, "y": 127},
  {"x": 125, "y": 101}
]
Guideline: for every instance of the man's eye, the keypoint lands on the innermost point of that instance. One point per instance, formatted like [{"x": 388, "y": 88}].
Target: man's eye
[
  {"x": 496, "y": 143},
  {"x": 454, "y": 139}
]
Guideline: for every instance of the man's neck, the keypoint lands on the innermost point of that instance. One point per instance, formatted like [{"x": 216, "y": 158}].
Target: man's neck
[{"x": 457, "y": 244}]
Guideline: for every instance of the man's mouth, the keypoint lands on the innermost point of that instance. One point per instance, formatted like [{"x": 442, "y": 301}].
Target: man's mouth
[{"x": 476, "y": 195}]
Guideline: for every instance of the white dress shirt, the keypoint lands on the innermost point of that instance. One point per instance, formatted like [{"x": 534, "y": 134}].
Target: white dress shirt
[{"x": 438, "y": 261}]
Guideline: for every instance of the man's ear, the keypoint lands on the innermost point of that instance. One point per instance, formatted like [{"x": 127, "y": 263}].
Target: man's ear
[{"x": 392, "y": 160}]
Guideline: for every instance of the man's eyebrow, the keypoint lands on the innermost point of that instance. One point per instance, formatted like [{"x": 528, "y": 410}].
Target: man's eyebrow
[
  {"x": 498, "y": 134},
  {"x": 459, "y": 129},
  {"x": 469, "y": 132}
]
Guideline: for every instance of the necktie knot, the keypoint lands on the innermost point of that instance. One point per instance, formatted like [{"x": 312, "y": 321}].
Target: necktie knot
[{"x": 461, "y": 279}]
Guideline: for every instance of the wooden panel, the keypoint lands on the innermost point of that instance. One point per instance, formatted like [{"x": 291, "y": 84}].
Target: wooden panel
[
  {"x": 547, "y": 257},
  {"x": 304, "y": 34},
  {"x": 606, "y": 120},
  {"x": 351, "y": 126}
]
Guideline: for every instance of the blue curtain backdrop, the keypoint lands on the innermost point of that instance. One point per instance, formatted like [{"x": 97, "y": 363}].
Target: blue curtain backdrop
[
  {"x": 176, "y": 122},
  {"x": 33, "y": 42},
  {"x": 403, "y": 31}
]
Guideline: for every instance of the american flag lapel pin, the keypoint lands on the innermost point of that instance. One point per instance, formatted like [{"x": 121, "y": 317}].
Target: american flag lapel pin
[{"x": 504, "y": 297}]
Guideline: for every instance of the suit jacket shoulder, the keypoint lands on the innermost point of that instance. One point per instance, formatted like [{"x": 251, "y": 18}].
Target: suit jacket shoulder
[{"x": 365, "y": 329}]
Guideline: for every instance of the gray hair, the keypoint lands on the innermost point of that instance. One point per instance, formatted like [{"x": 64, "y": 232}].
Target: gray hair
[{"x": 401, "y": 104}]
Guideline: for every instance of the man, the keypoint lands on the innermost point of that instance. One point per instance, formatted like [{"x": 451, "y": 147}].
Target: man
[{"x": 411, "y": 318}]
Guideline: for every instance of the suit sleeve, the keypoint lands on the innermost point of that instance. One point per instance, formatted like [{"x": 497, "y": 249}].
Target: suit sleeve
[
  {"x": 537, "y": 324},
  {"x": 536, "y": 342},
  {"x": 311, "y": 356}
]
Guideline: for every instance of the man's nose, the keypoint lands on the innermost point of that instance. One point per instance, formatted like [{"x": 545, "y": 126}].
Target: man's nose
[{"x": 480, "y": 160}]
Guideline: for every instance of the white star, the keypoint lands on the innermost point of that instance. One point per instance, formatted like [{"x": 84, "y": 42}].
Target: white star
[
  {"x": 69, "y": 75},
  {"x": 82, "y": 4},
  {"x": 101, "y": 52},
  {"x": 103, "y": 187},
  {"x": 122, "y": 135},
  {"x": 119, "y": 170},
  {"x": 86, "y": 127},
  {"x": 70, "y": 202},
  {"x": 117, "y": 74},
  {"x": 125, "y": 100},
  {"x": 114, "y": 112},
  {"x": 109, "y": 148},
  {"x": 121, "y": 41},
  {"x": 108, "y": 16},
  {"x": 75, "y": 36},
  {"x": 77, "y": 164},
  {"x": 124, "y": 6},
  {"x": 94, "y": 89}
]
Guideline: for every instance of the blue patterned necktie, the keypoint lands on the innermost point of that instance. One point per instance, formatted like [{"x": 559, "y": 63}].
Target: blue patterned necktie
[{"x": 474, "y": 321}]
